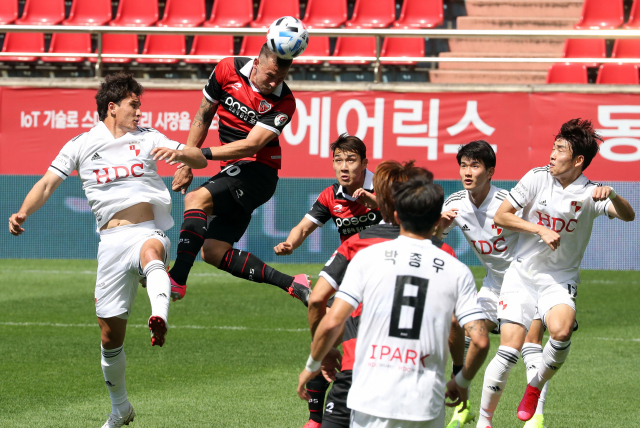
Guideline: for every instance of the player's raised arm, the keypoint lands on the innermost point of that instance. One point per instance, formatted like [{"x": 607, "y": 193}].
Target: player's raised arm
[
  {"x": 296, "y": 237},
  {"x": 619, "y": 207},
  {"x": 258, "y": 138},
  {"x": 192, "y": 157},
  {"x": 34, "y": 200}
]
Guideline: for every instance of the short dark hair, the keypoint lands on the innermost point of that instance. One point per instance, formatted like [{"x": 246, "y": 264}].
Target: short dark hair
[
  {"x": 478, "y": 150},
  {"x": 349, "y": 144},
  {"x": 418, "y": 203},
  {"x": 387, "y": 174},
  {"x": 114, "y": 89},
  {"x": 280, "y": 62},
  {"x": 582, "y": 138}
]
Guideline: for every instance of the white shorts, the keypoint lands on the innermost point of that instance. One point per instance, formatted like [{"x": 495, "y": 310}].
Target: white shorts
[
  {"x": 488, "y": 298},
  {"x": 119, "y": 267},
  {"x": 519, "y": 300},
  {"x": 362, "y": 420}
]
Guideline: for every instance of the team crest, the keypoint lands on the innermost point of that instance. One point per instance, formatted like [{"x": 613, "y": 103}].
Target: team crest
[
  {"x": 134, "y": 147},
  {"x": 264, "y": 107},
  {"x": 497, "y": 230},
  {"x": 281, "y": 119},
  {"x": 575, "y": 206}
]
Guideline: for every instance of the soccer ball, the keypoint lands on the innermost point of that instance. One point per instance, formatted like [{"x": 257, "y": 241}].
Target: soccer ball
[{"x": 287, "y": 37}]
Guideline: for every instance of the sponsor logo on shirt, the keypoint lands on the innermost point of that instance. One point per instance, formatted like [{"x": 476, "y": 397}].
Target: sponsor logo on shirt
[
  {"x": 264, "y": 107},
  {"x": 240, "y": 110},
  {"x": 465, "y": 227},
  {"x": 337, "y": 208},
  {"x": 113, "y": 173},
  {"x": 96, "y": 156},
  {"x": 575, "y": 206},
  {"x": 281, "y": 119},
  {"x": 354, "y": 221},
  {"x": 556, "y": 224},
  {"x": 236, "y": 86},
  {"x": 543, "y": 202}
]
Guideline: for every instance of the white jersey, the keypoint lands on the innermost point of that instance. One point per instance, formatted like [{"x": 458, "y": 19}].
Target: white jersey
[
  {"x": 494, "y": 245},
  {"x": 569, "y": 212},
  {"x": 118, "y": 173},
  {"x": 409, "y": 289}
]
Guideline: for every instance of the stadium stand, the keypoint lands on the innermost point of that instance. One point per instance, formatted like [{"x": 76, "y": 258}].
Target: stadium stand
[
  {"x": 402, "y": 47},
  {"x": 23, "y": 42},
  {"x": 118, "y": 44},
  {"x": 89, "y": 12},
  {"x": 634, "y": 17},
  {"x": 325, "y": 13},
  {"x": 585, "y": 48},
  {"x": 601, "y": 15},
  {"x": 376, "y": 14},
  {"x": 42, "y": 12},
  {"x": 230, "y": 13},
  {"x": 354, "y": 47},
  {"x": 69, "y": 43},
  {"x": 178, "y": 13},
  {"x": 568, "y": 74},
  {"x": 210, "y": 45},
  {"x": 270, "y": 10},
  {"x": 319, "y": 47},
  {"x": 618, "y": 74},
  {"x": 626, "y": 48},
  {"x": 420, "y": 14},
  {"x": 159, "y": 44},
  {"x": 251, "y": 45},
  {"x": 8, "y": 11},
  {"x": 136, "y": 13}
]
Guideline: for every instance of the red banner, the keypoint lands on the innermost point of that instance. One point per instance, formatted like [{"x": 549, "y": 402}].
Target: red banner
[{"x": 36, "y": 123}]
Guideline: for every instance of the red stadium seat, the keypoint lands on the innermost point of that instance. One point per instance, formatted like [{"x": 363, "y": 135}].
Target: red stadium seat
[
  {"x": 420, "y": 14},
  {"x": 251, "y": 45},
  {"x": 230, "y": 13},
  {"x": 136, "y": 13},
  {"x": 325, "y": 13},
  {"x": 585, "y": 48},
  {"x": 89, "y": 12},
  {"x": 118, "y": 44},
  {"x": 634, "y": 17},
  {"x": 372, "y": 14},
  {"x": 22, "y": 42},
  {"x": 270, "y": 10},
  {"x": 42, "y": 12},
  {"x": 400, "y": 46},
  {"x": 568, "y": 74},
  {"x": 618, "y": 74},
  {"x": 8, "y": 11},
  {"x": 354, "y": 46},
  {"x": 601, "y": 15},
  {"x": 69, "y": 43},
  {"x": 161, "y": 44},
  {"x": 210, "y": 45},
  {"x": 180, "y": 13},
  {"x": 318, "y": 46},
  {"x": 626, "y": 48}
]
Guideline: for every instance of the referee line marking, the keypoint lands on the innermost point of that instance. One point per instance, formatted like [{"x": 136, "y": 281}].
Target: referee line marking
[{"x": 186, "y": 327}]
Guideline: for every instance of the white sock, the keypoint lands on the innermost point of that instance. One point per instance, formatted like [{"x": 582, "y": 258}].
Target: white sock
[
  {"x": 532, "y": 357},
  {"x": 158, "y": 288},
  {"x": 114, "y": 363},
  {"x": 495, "y": 380},
  {"x": 484, "y": 420},
  {"x": 553, "y": 357}
]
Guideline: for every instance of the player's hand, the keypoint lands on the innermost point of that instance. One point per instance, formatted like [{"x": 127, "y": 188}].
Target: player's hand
[
  {"x": 601, "y": 193},
  {"x": 15, "y": 223},
  {"x": 365, "y": 198},
  {"x": 551, "y": 238},
  {"x": 283, "y": 249},
  {"x": 170, "y": 156},
  {"x": 305, "y": 377},
  {"x": 456, "y": 394},
  {"x": 182, "y": 179},
  {"x": 447, "y": 217},
  {"x": 331, "y": 364}
]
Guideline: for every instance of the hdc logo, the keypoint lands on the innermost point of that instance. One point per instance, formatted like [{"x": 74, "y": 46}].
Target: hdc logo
[
  {"x": 486, "y": 247},
  {"x": 115, "y": 172},
  {"x": 556, "y": 224}
]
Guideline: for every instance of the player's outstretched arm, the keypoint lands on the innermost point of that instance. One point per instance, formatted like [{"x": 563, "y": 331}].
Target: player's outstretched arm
[
  {"x": 35, "y": 199},
  {"x": 318, "y": 303},
  {"x": 619, "y": 208},
  {"x": 365, "y": 198},
  {"x": 506, "y": 217},
  {"x": 258, "y": 138},
  {"x": 296, "y": 237},
  {"x": 189, "y": 156}
]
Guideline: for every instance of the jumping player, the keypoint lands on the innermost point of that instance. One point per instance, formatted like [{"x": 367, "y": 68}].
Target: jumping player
[
  {"x": 254, "y": 105},
  {"x": 559, "y": 205},
  {"x": 472, "y": 210},
  {"x": 407, "y": 291},
  {"x": 116, "y": 162}
]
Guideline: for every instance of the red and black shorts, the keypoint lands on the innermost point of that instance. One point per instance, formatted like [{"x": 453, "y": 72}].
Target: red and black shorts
[{"x": 336, "y": 412}]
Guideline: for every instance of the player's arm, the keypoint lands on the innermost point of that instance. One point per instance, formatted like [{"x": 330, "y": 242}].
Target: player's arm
[
  {"x": 445, "y": 222},
  {"x": 478, "y": 349},
  {"x": 619, "y": 206},
  {"x": 34, "y": 200},
  {"x": 191, "y": 157},
  {"x": 322, "y": 291},
  {"x": 456, "y": 345},
  {"x": 296, "y": 237},
  {"x": 506, "y": 217},
  {"x": 258, "y": 138},
  {"x": 365, "y": 198}
]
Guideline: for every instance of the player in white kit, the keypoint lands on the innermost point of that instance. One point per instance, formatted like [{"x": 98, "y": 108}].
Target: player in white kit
[
  {"x": 472, "y": 210},
  {"x": 116, "y": 162},
  {"x": 409, "y": 290},
  {"x": 559, "y": 205}
]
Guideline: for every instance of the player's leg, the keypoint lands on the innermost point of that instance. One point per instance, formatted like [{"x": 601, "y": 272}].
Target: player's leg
[
  {"x": 459, "y": 344},
  {"x": 152, "y": 261},
  {"x": 317, "y": 389},
  {"x": 336, "y": 412},
  {"x": 532, "y": 358}
]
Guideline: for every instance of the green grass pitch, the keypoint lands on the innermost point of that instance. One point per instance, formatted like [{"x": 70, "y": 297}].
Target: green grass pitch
[{"x": 234, "y": 351}]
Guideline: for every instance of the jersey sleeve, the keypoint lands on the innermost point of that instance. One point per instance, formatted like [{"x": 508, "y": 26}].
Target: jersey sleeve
[
  {"x": 352, "y": 287},
  {"x": 213, "y": 89},
  {"x": 275, "y": 120},
  {"x": 526, "y": 189},
  {"x": 467, "y": 308},
  {"x": 162, "y": 140},
  {"x": 334, "y": 270},
  {"x": 602, "y": 208},
  {"x": 67, "y": 160},
  {"x": 320, "y": 212}
]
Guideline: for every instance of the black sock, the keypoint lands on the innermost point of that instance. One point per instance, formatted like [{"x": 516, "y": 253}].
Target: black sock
[
  {"x": 317, "y": 388},
  {"x": 192, "y": 233},
  {"x": 247, "y": 266}
]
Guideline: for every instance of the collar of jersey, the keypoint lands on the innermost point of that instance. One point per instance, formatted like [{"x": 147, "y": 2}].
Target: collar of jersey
[
  {"x": 414, "y": 241},
  {"x": 577, "y": 184},
  {"x": 102, "y": 129},
  {"x": 246, "y": 72},
  {"x": 368, "y": 185}
]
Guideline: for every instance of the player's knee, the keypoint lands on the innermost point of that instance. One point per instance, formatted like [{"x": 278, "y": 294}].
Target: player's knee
[
  {"x": 212, "y": 255},
  {"x": 561, "y": 333},
  {"x": 196, "y": 200}
]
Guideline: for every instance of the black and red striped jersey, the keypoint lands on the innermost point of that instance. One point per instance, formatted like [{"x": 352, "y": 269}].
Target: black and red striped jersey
[
  {"x": 335, "y": 269},
  {"x": 348, "y": 215},
  {"x": 242, "y": 106}
]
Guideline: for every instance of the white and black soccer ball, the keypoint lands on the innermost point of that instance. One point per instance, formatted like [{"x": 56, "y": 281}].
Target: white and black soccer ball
[{"x": 287, "y": 37}]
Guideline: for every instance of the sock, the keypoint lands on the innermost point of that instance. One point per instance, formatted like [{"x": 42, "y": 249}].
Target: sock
[
  {"x": 158, "y": 288},
  {"x": 484, "y": 420},
  {"x": 553, "y": 357},
  {"x": 495, "y": 380},
  {"x": 247, "y": 266},
  {"x": 532, "y": 357},
  {"x": 191, "y": 240},
  {"x": 114, "y": 363},
  {"x": 317, "y": 388}
]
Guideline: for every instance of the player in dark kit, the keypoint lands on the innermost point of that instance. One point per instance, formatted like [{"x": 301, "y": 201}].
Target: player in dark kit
[
  {"x": 336, "y": 414},
  {"x": 351, "y": 204},
  {"x": 254, "y": 105}
]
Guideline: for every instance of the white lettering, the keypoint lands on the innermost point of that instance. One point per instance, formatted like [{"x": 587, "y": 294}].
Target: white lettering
[{"x": 364, "y": 121}]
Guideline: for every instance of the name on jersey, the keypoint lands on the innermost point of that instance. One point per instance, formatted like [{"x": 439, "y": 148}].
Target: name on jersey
[
  {"x": 112, "y": 173},
  {"x": 382, "y": 353},
  {"x": 556, "y": 224},
  {"x": 240, "y": 110}
]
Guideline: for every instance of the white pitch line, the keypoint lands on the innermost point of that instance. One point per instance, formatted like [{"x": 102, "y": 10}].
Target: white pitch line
[
  {"x": 188, "y": 327},
  {"x": 92, "y": 272},
  {"x": 617, "y": 339}
]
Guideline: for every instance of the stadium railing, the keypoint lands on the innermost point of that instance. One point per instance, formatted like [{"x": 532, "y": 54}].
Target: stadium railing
[{"x": 378, "y": 34}]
